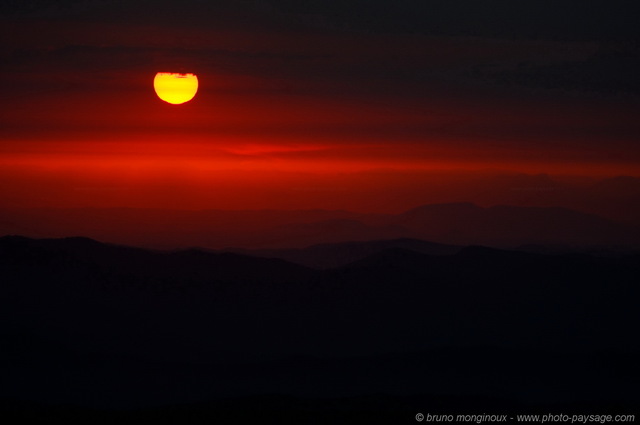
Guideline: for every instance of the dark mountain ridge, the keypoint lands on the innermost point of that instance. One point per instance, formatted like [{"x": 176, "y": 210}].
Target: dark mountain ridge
[
  {"x": 95, "y": 324},
  {"x": 178, "y": 265}
]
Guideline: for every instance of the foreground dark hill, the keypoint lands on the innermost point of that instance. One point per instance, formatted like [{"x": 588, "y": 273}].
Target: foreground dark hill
[
  {"x": 102, "y": 326},
  {"x": 181, "y": 266},
  {"x": 454, "y": 224},
  {"x": 325, "y": 256}
]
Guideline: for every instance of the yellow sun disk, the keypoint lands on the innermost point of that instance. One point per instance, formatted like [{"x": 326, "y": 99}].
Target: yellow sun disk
[{"x": 175, "y": 88}]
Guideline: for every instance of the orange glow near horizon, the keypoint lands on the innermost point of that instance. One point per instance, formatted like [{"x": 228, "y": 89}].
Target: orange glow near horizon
[
  {"x": 264, "y": 143},
  {"x": 237, "y": 155},
  {"x": 234, "y": 174},
  {"x": 175, "y": 88}
]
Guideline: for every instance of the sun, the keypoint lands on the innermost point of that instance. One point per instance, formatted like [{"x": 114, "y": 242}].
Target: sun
[{"x": 175, "y": 88}]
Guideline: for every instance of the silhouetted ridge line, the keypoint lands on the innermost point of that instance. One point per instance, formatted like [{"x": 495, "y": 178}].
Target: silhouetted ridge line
[
  {"x": 193, "y": 325},
  {"x": 190, "y": 264}
]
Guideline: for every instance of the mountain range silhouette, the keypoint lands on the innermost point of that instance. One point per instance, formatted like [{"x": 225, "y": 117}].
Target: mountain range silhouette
[{"x": 100, "y": 326}]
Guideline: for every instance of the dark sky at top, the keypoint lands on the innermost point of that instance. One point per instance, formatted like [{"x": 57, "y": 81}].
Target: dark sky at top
[
  {"x": 555, "y": 19},
  {"x": 577, "y": 46}
]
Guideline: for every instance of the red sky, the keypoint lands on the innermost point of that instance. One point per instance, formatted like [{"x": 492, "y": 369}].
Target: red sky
[{"x": 292, "y": 114}]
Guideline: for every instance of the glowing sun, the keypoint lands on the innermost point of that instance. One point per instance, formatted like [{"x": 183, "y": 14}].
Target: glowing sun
[{"x": 175, "y": 88}]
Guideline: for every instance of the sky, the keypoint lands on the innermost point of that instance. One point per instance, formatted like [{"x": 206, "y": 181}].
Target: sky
[{"x": 362, "y": 105}]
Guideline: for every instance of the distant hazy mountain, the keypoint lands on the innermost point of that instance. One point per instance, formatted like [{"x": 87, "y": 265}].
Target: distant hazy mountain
[
  {"x": 327, "y": 231},
  {"x": 617, "y": 197},
  {"x": 464, "y": 223},
  {"x": 456, "y": 223},
  {"x": 158, "y": 228}
]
